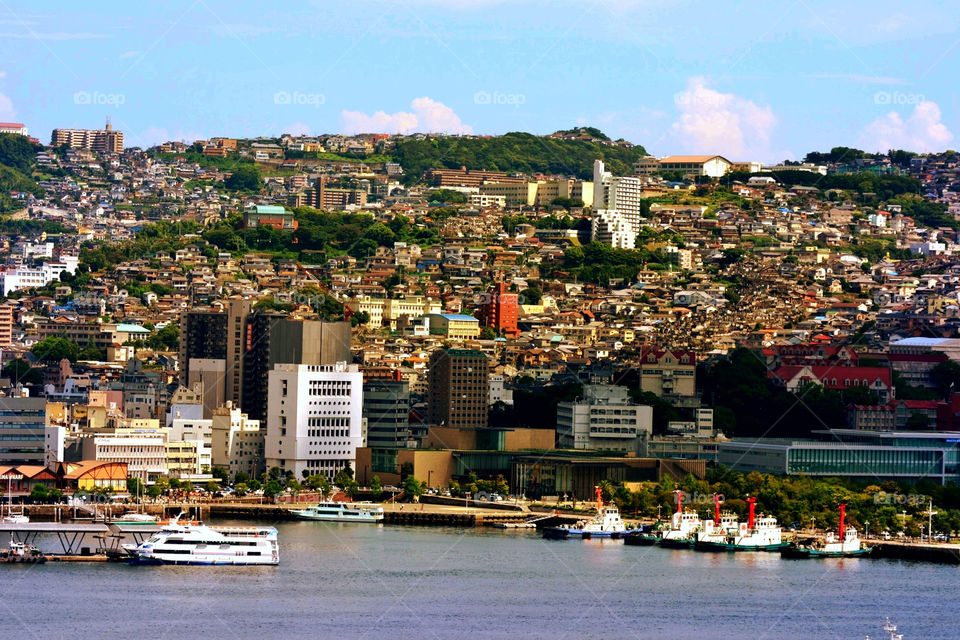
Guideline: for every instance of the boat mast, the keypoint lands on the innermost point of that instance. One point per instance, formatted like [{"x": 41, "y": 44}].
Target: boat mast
[
  {"x": 753, "y": 505},
  {"x": 679, "y": 495},
  {"x": 599, "y": 493},
  {"x": 716, "y": 509},
  {"x": 843, "y": 514}
]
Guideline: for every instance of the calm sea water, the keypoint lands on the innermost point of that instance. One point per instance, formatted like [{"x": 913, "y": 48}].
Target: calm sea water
[{"x": 362, "y": 581}]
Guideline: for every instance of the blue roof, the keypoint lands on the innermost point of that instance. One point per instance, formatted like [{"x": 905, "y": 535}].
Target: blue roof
[
  {"x": 132, "y": 328},
  {"x": 457, "y": 316},
  {"x": 920, "y": 342}
]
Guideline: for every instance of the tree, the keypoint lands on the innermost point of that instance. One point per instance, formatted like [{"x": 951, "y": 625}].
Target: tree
[
  {"x": 55, "y": 349},
  {"x": 241, "y": 489},
  {"x": 222, "y": 474},
  {"x": 212, "y": 486},
  {"x": 166, "y": 339},
  {"x": 946, "y": 377},
  {"x": 239, "y": 477},
  {"x": 40, "y": 493},
  {"x": 375, "y": 488},
  {"x": 412, "y": 486},
  {"x": 294, "y": 486},
  {"x": 187, "y": 487},
  {"x": 244, "y": 178},
  {"x": 487, "y": 333},
  {"x": 134, "y": 487},
  {"x": 20, "y": 371},
  {"x": 272, "y": 489},
  {"x": 319, "y": 483},
  {"x": 343, "y": 476},
  {"x": 531, "y": 295}
]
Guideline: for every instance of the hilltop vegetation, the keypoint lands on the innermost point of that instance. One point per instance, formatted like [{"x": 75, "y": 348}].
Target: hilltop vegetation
[
  {"x": 514, "y": 152},
  {"x": 17, "y": 159}
]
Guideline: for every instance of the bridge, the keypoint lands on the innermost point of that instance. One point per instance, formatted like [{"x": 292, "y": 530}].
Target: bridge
[{"x": 76, "y": 539}]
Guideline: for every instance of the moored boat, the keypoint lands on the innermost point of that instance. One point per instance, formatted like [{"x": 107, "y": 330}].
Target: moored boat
[
  {"x": 684, "y": 525},
  {"x": 133, "y": 519},
  {"x": 342, "y": 512},
  {"x": 605, "y": 524},
  {"x": 845, "y": 544},
  {"x": 197, "y": 543},
  {"x": 757, "y": 534}
]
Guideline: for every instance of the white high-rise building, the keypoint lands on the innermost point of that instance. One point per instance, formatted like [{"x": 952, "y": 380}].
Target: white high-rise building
[
  {"x": 616, "y": 207},
  {"x": 613, "y": 228},
  {"x": 314, "y": 418},
  {"x": 605, "y": 419}
]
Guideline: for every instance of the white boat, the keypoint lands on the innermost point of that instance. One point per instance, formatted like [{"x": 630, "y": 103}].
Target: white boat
[
  {"x": 757, "y": 534},
  {"x": 13, "y": 517},
  {"x": 684, "y": 525},
  {"x": 197, "y": 543},
  {"x": 723, "y": 525},
  {"x": 136, "y": 519},
  {"x": 605, "y": 524},
  {"x": 342, "y": 512}
]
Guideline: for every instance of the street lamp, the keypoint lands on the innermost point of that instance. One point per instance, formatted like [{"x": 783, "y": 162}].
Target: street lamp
[{"x": 866, "y": 529}]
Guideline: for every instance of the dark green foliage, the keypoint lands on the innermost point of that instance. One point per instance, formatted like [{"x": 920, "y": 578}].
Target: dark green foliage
[
  {"x": 514, "y": 152},
  {"x": 244, "y": 178}
]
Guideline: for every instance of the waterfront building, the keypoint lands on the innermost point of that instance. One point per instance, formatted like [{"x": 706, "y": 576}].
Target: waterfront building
[
  {"x": 604, "y": 419},
  {"x": 458, "y": 388},
  {"x": 386, "y": 408},
  {"x": 314, "y": 418},
  {"x": 237, "y": 442},
  {"x": 23, "y": 430}
]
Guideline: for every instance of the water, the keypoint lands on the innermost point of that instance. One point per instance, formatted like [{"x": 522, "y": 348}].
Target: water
[{"x": 363, "y": 581}]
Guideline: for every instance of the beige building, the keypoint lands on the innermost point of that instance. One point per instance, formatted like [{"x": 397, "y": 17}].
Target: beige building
[
  {"x": 236, "y": 442},
  {"x": 386, "y": 312},
  {"x": 668, "y": 373},
  {"x": 453, "y": 325},
  {"x": 102, "y": 140}
]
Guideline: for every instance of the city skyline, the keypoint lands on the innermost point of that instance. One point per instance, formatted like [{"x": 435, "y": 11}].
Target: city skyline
[{"x": 751, "y": 83}]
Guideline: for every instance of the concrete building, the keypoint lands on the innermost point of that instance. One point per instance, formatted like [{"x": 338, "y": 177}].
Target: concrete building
[
  {"x": 605, "y": 419},
  {"x": 458, "y": 388},
  {"x": 6, "y": 325},
  {"x": 22, "y": 430},
  {"x": 698, "y": 166},
  {"x": 386, "y": 408},
  {"x": 613, "y": 228},
  {"x": 668, "y": 373},
  {"x": 13, "y": 127},
  {"x": 271, "y": 216},
  {"x": 620, "y": 194},
  {"x": 215, "y": 336},
  {"x": 454, "y": 326},
  {"x": 237, "y": 443},
  {"x": 388, "y": 312},
  {"x": 144, "y": 453},
  {"x": 102, "y": 140},
  {"x": 314, "y": 418},
  {"x": 499, "y": 310}
]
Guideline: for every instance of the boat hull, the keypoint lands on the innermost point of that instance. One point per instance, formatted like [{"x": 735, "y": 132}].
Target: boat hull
[
  {"x": 726, "y": 546},
  {"x": 805, "y": 553},
  {"x": 316, "y": 518},
  {"x": 641, "y": 540},
  {"x": 676, "y": 543},
  {"x": 557, "y": 533}
]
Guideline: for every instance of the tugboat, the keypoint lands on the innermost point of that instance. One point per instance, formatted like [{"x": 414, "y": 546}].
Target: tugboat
[
  {"x": 684, "y": 526},
  {"x": 646, "y": 536},
  {"x": 757, "y": 534},
  {"x": 845, "y": 544},
  {"x": 720, "y": 527},
  {"x": 891, "y": 630},
  {"x": 22, "y": 552},
  {"x": 605, "y": 524}
]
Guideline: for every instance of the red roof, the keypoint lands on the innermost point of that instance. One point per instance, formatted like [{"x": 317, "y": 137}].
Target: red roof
[{"x": 11, "y": 125}]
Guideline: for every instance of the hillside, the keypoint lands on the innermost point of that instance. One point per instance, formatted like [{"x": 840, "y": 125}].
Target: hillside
[
  {"x": 17, "y": 159},
  {"x": 514, "y": 152}
]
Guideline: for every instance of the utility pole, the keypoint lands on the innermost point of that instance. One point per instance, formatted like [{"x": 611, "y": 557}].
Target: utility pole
[{"x": 930, "y": 514}]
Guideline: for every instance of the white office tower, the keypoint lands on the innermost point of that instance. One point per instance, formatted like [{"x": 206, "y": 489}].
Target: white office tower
[
  {"x": 314, "y": 418},
  {"x": 613, "y": 228},
  {"x": 617, "y": 194}
]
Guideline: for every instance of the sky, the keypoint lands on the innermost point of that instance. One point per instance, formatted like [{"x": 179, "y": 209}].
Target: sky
[{"x": 758, "y": 81}]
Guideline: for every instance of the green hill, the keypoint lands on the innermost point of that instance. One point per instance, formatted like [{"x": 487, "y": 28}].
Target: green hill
[
  {"x": 514, "y": 152},
  {"x": 17, "y": 159}
]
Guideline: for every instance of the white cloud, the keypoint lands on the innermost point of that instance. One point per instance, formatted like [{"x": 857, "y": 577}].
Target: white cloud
[
  {"x": 722, "y": 123},
  {"x": 922, "y": 131},
  {"x": 427, "y": 116}
]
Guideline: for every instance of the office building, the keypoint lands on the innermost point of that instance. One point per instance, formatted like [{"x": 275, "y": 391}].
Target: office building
[
  {"x": 386, "y": 408},
  {"x": 22, "y": 430},
  {"x": 314, "y": 418},
  {"x": 237, "y": 443},
  {"x": 604, "y": 420},
  {"x": 458, "y": 388}
]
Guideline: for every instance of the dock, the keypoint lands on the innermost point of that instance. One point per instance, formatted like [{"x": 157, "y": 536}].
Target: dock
[{"x": 942, "y": 553}]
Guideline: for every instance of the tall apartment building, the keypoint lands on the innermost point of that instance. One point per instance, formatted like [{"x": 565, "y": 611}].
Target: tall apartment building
[
  {"x": 386, "y": 408},
  {"x": 605, "y": 419},
  {"x": 323, "y": 197},
  {"x": 237, "y": 443},
  {"x": 458, "y": 387},
  {"x": 617, "y": 193},
  {"x": 315, "y": 418},
  {"x": 272, "y": 338},
  {"x": 6, "y": 325},
  {"x": 613, "y": 228},
  {"x": 499, "y": 310},
  {"x": 104, "y": 140},
  {"x": 22, "y": 429}
]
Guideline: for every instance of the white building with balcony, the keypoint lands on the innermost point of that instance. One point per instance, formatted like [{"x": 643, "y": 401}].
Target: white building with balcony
[{"x": 605, "y": 419}]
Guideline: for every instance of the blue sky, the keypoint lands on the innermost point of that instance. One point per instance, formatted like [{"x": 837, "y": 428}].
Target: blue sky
[{"x": 750, "y": 80}]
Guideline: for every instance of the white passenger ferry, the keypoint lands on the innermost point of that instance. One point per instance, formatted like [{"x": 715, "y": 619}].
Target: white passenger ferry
[
  {"x": 342, "y": 512},
  {"x": 196, "y": 543}
]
